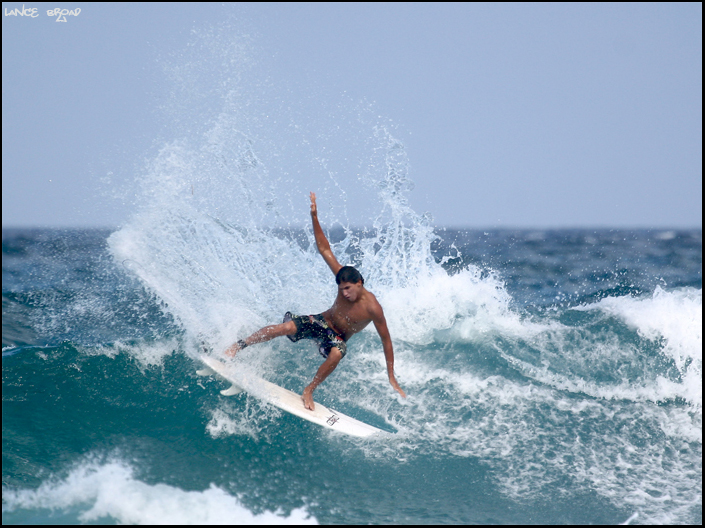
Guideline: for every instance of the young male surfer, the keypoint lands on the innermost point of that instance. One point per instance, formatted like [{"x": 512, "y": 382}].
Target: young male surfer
[{"x": 354, "y": 308}]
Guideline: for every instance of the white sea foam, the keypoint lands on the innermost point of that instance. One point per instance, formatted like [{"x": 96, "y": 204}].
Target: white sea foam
[
  {"x": 470, "y": 305},
  {"x": 611, "y": 437},
  {"x": 533, "y": 436},
  {"x": 148, "y": 354},
  {"x": 247, "y": 419},
  {"x": 675, "y": 317},
  {"x": 111, "y": 491}
]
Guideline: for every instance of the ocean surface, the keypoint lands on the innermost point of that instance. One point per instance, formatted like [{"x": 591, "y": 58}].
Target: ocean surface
[{"x": 552, "y": 376}]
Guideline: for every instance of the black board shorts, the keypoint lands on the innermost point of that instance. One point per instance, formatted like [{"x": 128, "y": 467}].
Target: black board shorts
[{"x": 315, "y": 327}]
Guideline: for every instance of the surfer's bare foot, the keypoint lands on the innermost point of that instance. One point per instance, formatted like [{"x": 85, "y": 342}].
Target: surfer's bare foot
[
  {"x": 307, "y": 398},
  {"x": 235, "y": 348}
]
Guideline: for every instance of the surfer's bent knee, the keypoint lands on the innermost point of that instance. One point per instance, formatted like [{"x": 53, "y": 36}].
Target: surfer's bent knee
[
  {"x": 335, "y": 354},
  {"x": 289, "y": 327}
]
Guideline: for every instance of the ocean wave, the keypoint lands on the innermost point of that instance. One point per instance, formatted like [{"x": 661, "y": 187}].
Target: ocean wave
[
  {"x": 674, "y": 320},
  {"x": 94, "y": 492}
]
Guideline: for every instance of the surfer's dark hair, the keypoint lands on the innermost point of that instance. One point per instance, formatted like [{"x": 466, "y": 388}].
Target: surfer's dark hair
[{"x": 348, "y": 274}]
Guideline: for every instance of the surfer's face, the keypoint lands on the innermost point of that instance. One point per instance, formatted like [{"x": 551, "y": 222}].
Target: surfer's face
[{"x": 350, "y": 290}]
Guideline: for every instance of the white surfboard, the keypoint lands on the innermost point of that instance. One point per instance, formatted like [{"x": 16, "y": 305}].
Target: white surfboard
[{"x": 284, "y": 399}]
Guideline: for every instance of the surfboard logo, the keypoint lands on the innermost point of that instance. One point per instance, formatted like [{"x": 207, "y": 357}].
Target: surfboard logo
[{"x": 332, "y": 419}]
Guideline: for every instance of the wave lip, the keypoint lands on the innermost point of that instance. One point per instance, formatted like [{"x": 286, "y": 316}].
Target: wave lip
[{"x": 675, "y": 319}]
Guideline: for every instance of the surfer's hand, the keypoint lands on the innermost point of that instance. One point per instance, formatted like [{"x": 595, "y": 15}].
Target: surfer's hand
[
  {"x": 314, "y": 209},
  {"x": 396, "y": 387}
]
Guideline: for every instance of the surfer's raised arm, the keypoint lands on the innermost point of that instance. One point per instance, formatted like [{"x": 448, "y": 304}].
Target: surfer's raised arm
[{"x": 321, "y": 240}]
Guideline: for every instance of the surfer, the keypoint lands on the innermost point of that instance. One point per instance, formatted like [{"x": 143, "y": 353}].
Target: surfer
[{"x": 353, "y": 309}]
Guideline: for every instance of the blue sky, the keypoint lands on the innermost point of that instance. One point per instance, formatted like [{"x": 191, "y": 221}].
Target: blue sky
[{"x": 512, "y": 115}]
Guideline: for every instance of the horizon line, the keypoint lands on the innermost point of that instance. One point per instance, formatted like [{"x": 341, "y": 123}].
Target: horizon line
[{"x": 359, "y": 227}]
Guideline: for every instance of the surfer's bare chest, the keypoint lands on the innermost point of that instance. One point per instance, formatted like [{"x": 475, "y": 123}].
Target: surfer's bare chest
[{"x": 348, "y": 318}]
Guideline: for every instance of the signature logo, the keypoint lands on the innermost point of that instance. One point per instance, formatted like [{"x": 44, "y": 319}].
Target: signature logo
[
  {"x": 33, "y": 12},
  {"x": 332, "y": 419}
]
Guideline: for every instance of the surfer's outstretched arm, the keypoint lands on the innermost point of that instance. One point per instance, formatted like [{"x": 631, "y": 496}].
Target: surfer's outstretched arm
[
  {"x": 381, "y": 325},
  {"x": 321, "y": 240}
]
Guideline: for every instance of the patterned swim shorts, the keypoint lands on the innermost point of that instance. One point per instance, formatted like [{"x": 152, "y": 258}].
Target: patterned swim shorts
[{"x": 315, "y": 327}]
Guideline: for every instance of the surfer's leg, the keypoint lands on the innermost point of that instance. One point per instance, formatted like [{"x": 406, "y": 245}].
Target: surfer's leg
[
  {"x": 270, "y": 332},
  {"x": 262, "y": 335},
  {"x": 328, "y": 366}
]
